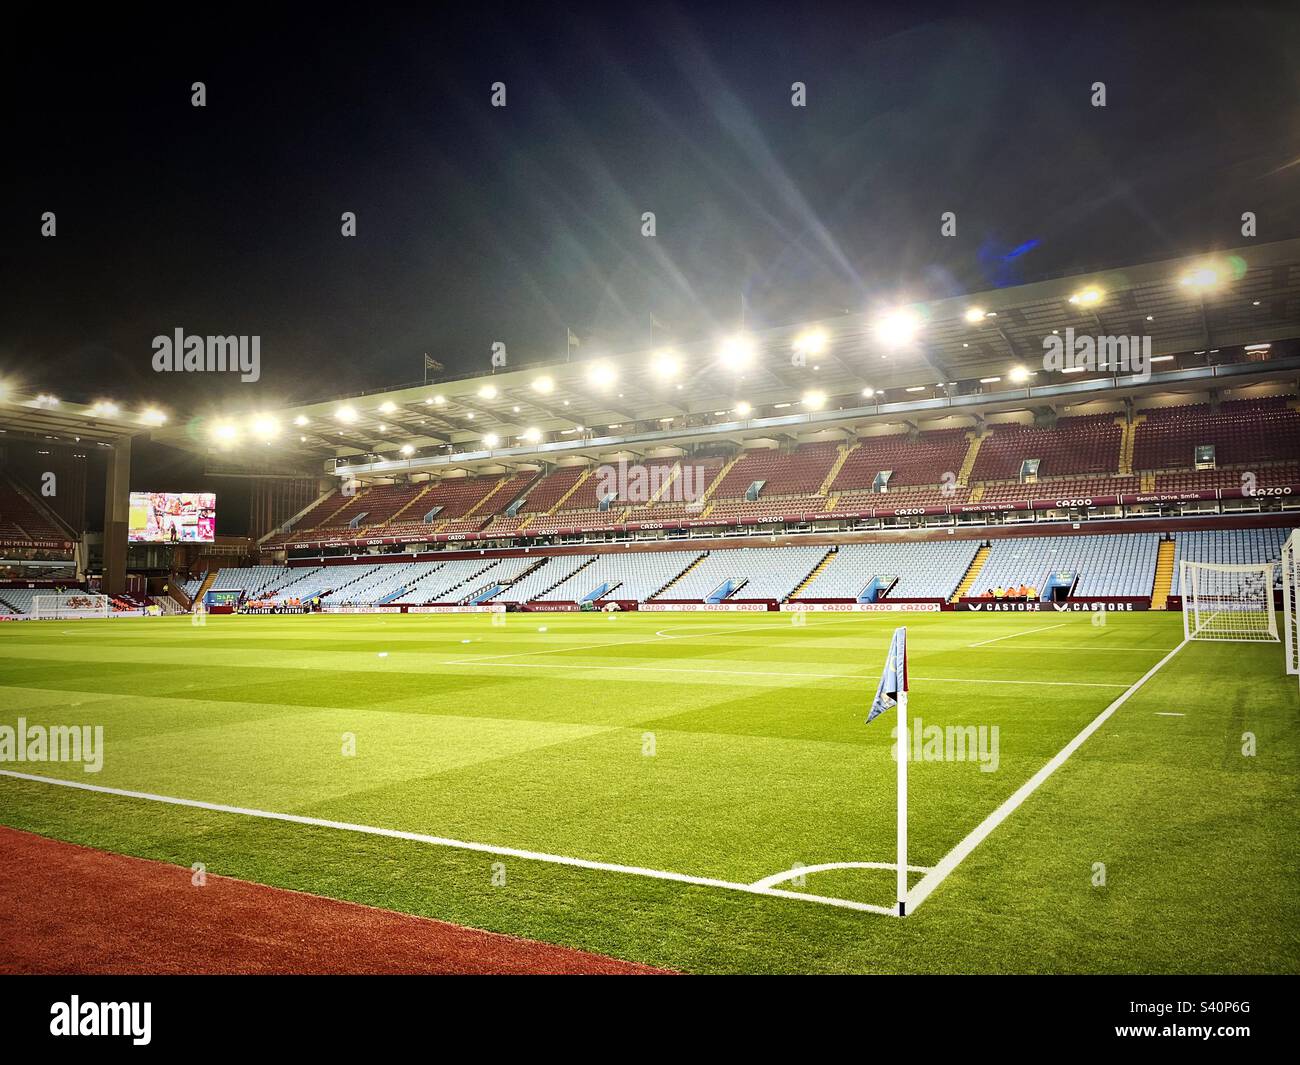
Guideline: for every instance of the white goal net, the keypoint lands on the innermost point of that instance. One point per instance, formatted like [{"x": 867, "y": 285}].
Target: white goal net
[
  {"x": 1290, "y": 598},
  {"x": 71, "y": 605},
  {"x": 1222, "y": 602}
]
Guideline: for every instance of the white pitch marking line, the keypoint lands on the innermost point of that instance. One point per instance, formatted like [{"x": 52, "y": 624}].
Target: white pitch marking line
[
  {"x": 958, "y": 854},
  {"x": 1013, "y": 635},
  {"x": 803, "y": 870},
  {"x": 1168, "y": 713},
  {"x": 457, "y": 844}
]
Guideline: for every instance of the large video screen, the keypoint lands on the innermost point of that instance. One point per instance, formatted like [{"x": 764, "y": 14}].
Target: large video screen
[{"x": 173, "y": 518}]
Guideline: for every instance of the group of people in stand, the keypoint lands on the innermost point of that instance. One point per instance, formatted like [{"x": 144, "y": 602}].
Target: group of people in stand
[
  {"x": 288, "y": 601},
  {"x": 1023, "y": 591}
]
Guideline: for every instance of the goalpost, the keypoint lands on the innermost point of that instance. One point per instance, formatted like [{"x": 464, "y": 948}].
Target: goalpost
[
  {"x": 1290, "y": 597},
  {"x": 1228, "y": 602},
  {"x": 70, "y": 605}
]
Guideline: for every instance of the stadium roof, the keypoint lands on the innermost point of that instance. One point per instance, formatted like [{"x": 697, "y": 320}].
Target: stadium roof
[
  {"x": 981, "y": 349},
  {"x": 48, "y": 419}
]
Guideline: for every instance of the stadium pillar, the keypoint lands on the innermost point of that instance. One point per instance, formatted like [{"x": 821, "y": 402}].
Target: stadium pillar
[{"x": 117, "y": 514}]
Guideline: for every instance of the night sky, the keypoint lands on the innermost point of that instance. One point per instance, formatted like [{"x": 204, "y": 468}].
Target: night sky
[{"x": 478, "y": 224}]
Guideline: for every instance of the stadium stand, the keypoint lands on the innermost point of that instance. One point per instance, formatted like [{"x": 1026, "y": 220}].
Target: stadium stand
[
  {"x": 1058, "y": 488},
  {"x": 541, "y": 580},
  {"x": 253, "y": 581},
  {"x": 376, "y": 586},
  {"x": 627, "y": 575},
  {"x": 1109, "y": 565},
  {"x": 928, "y": 570},
  {"x": 745, "y": 573},
  {"x": 922, "y": 459},
  {"x": 1260, "y": 475},
  {"x": 450, "y": 582},
  {"x": 1234, "y": 547},
  {"x": 22, "y": 517},
  {"x": 1242, "y": 431},
  {"x": 17, "y": 600},
  {"x": 796, "y": 473},
  {"x": 901, "y": 497},
  {"x": 1089, "y": 444}
]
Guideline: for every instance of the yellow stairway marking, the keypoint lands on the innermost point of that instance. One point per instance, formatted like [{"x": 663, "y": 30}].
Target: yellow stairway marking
[
  {"x": 826, "y": 560},
  {"x": 1164, "y": 576},
  {"x": 976, "y": 564}
]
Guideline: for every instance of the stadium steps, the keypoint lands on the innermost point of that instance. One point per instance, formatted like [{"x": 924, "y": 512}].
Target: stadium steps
[
  {"x": 694, "y": 562},
  {"x": 836, "y": 466},
  {"x": 452, "y": 596},
  {"x": 1127, "y": 440},
  {"x": 560, "y": 580},
  {"x": 586, "y": 474},
  {"x": 1148, "y": 483},
  {"x": 822, "y": 563},
  {"x": 976, "y": 493},
  {"x": 832, "y": 501},
  {"x": 506, "y": 478},
  {"x": 347, "y": 501},
  {"x": 176, "y": 593},
  {"x": 659, "y": 492},
  {"x": 414, "y": 499},
  {"x": 972, "y": 572},
  {"x": 208, "y": 582},
  {"x": 527, "y": 573},
  {"x": 968, "y": 463},
  {"x": 722, "y": 473},
  {"x": 1164, "y": 575}
]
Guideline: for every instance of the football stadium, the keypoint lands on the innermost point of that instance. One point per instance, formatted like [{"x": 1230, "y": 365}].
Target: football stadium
[{"x": 953, "y": 632}]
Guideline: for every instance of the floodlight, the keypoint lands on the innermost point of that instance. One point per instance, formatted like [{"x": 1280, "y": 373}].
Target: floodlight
[
  {"x": 737, "y": 352},
  {"x": 811, "y": 341},
  {"x": 601, "y": 375},
  {"x": 897, "y": 327},
  {"x": 666, "y": 365}
]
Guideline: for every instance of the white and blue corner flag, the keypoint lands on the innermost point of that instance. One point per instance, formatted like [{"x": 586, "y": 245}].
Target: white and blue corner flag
[{"x": 894, "y": 678}]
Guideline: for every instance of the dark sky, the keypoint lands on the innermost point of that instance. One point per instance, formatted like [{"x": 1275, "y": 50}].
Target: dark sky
[{"x": 479, "y": 224}]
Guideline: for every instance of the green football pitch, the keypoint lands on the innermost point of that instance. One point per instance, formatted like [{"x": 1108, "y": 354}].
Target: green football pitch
[{"x": 664, "y": 787}]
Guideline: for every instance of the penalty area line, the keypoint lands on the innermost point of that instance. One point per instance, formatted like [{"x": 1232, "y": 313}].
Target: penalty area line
[
  {"x": 759, "y": 888},
  {"x": 959, "y": 853}
]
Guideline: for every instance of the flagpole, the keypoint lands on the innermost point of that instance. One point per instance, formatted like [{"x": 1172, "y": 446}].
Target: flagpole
[{"x": 904, "y": 753}]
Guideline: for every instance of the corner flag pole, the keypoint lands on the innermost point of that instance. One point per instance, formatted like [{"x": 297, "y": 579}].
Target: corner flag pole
[
  {"x": 892, "y": 693},
  {"x": 904, "y": 752}
]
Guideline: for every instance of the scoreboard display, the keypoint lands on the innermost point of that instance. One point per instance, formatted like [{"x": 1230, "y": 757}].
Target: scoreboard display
[{"x": 221, "y": 600}]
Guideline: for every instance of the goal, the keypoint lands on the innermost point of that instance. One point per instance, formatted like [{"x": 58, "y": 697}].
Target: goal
[
  {"x": 1222, "y": 602},
  {"x": 1290, "y": 599},
  {"x": 71, "y": 605}
]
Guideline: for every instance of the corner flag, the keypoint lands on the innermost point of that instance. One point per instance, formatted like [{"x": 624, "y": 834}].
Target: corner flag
[
  {"x": 894, "y": 678},
  {"x": 893, "y": 692}
]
